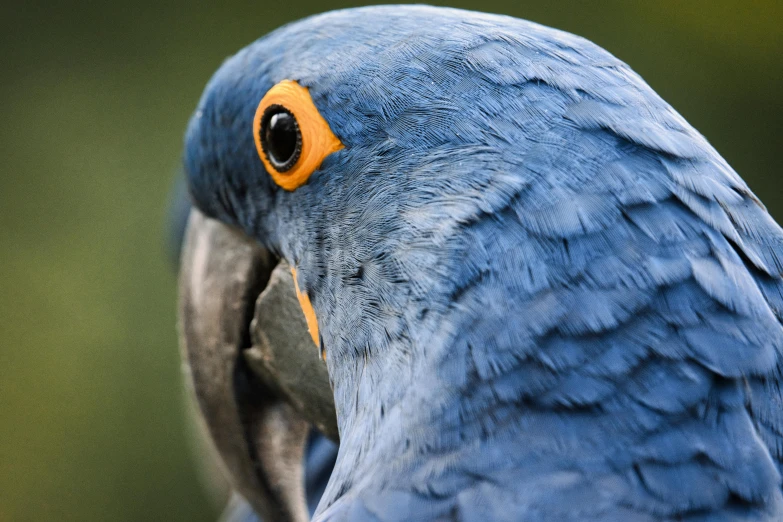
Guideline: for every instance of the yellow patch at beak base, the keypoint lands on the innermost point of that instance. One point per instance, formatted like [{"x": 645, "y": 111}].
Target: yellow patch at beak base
[{"x": 309, "y": 312}]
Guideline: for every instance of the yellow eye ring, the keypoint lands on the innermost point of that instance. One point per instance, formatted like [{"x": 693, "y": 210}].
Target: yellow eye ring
[{"x": 291, "y": 136}]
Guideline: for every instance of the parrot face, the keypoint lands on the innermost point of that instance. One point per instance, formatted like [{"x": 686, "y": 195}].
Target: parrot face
[{"x": 540, "y": 294}]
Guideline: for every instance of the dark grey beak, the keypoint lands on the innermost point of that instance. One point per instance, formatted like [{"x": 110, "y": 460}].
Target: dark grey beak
[{"x": 257, "y": 377}]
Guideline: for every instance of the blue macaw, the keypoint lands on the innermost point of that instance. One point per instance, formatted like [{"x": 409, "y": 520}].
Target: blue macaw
[{"x": 541, "y": 295}]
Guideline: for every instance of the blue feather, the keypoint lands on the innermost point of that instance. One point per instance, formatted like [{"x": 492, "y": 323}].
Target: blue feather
[{"x": 570, "y": 306}]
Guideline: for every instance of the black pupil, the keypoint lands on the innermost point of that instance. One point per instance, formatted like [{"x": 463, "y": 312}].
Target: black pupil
[{"x": 280, "y": 136}]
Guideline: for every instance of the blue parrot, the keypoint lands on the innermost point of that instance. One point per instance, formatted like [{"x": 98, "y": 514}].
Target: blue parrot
[{"x": 541, "y": 295}]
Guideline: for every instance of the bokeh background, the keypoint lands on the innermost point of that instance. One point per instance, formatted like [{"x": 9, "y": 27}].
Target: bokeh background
[{"x": 94, "y": 98}]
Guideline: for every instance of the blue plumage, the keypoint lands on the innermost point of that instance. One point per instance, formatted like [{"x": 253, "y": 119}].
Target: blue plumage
[{"x": 543, "y": 295}]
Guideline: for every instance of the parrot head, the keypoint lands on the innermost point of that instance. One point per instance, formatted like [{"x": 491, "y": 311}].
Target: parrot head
[
  {"x": 504, "y": 245},
  {"x": 356, "y": 146},
  {"x": 360, "y": 146}
]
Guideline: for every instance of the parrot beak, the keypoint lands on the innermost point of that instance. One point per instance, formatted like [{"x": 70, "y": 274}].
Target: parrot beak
[{"x": 251, "y": 365}]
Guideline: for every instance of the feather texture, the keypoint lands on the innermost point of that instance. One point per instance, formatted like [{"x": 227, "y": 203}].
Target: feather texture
[{"x": 543, "y": 295}]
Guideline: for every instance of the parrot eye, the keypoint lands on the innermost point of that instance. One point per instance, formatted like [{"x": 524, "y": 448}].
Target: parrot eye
[
  {"x": 292, "y": 138},
  {"x": 281, "y": 139}
]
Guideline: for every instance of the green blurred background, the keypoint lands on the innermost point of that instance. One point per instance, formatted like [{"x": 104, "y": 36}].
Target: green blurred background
[{"x": 95, "y": 96}]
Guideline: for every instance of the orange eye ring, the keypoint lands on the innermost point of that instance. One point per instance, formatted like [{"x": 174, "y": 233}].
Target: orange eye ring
[{"x": 314, "y": 139}]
